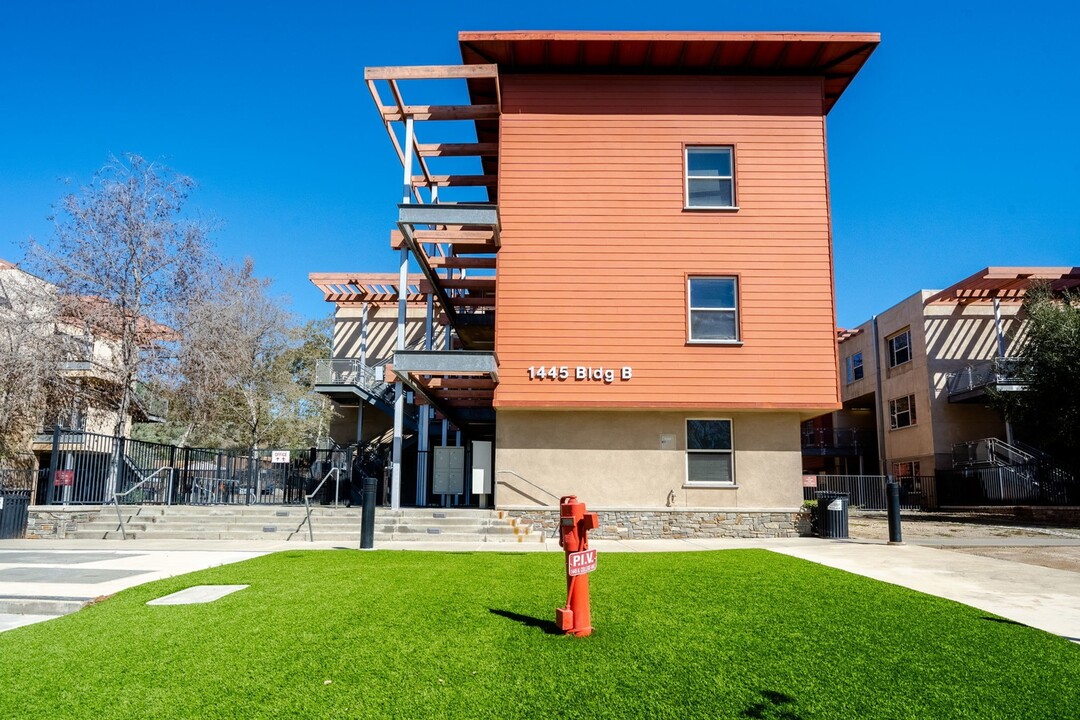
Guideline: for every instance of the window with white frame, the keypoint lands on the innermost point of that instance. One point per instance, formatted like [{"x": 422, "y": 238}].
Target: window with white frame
[
  {"x": 710, "y": 177},
  {"x": 714, "y": 309},
  {"x": 899, "y": 348},
  {"x": 902, "y": 412},
  {"x": 854, "y": 366},
  {"x": 709, "y": 452}
]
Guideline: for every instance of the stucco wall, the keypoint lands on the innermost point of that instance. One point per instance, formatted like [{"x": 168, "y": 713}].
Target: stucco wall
[{"x": 615, "y": 459}]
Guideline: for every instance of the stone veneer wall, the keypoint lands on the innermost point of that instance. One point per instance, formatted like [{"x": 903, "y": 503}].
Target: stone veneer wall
[
  {"x": 56, "y": 524},
  {"x": 678, "y": 524}
]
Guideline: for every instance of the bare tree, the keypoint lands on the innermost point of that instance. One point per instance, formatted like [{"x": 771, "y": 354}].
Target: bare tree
[
  {"x": 245, "y": 365},
  {"x": 31, "y": 353},
  {"x": 127, "y": 259}
]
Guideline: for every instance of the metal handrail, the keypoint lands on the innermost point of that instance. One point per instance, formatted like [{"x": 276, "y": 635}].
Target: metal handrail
[
  {"x": 133, "y": 488},
  {"x": 307, "y": 498},
  {"x": 530, "y": 482}
]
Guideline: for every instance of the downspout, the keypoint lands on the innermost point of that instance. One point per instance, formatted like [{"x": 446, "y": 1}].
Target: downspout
[
  {"x": 879, "y": 403},
  {"x": 1001, "y": 355}
]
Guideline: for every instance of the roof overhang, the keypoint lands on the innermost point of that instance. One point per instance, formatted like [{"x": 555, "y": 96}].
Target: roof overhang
[
  {"x": 1006, "y": 284},
  {"x": 836, "y": 57}
]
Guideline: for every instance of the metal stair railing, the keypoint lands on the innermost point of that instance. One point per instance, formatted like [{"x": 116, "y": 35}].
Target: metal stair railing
[
  {"x": 133, "y": 488},
  {"x": 307, "y": 498},
  {"x": 530, "y": 482}
]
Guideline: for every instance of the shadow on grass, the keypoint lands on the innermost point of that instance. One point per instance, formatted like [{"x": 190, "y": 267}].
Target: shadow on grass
[
  {"x": 774, "y": 707},
  {"x": 1003, "y": 621},
  {"x": 548, "y": 626}
]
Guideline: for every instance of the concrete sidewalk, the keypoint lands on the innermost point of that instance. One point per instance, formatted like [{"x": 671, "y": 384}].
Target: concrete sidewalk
[{"x": 77, "y": 571}]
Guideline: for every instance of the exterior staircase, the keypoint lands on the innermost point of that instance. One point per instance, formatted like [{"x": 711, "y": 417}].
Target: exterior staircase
[{"x": 287, "y": 523}]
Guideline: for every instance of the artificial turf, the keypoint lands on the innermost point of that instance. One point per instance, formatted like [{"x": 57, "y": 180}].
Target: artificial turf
[{"x": 342, "y": 634}]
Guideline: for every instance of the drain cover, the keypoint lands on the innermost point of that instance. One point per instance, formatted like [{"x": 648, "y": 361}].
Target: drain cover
[{"x": 198, "y": 594}]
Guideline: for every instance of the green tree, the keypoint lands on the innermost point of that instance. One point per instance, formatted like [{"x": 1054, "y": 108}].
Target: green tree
[{"x": 1048, "y": 410}]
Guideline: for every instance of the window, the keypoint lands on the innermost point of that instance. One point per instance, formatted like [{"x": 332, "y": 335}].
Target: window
[
  {"x": 854, "y": 367},
  {"x": 714, "y": 314},
  {"x": 710, "y": 177},
  {"x": 899, "y": 348},
  {"x": 902, "y": 412},
  {"x": 708, "y": 452},
  {"x": 906, "y": 469}
]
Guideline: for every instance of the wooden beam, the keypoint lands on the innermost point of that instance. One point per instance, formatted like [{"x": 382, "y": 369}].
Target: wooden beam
[
  {"x": 453, "y": 236},
  {"x": 397, "y": 240},
  {"x": 440, "y": 112},
  {"x": 456, "y": 180},
  {"x": 431, "y": 72},
  {"x": 478, "y": 402},
  {"x": 472, "y": 302},
  {"x": 475, "y": 249},
  {"x": 458, "y": 149},
  {"x": 460, "y": 383},
  {"x": 462, "y": 263},
  {"x": 464, "y": 394},
  {"x": 388, "y": 373},
  {"x": 483, "y": 284}
]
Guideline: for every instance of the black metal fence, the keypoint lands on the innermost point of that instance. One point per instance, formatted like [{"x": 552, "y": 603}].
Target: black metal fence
[
  {"x": 868, "y": 492},
  {"x": 14, "y": 513},
  {"x": 90, "y": 469},
  {"x": 1037, "y": 483}
]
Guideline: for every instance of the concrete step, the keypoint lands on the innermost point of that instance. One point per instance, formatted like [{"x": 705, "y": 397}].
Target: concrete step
[
  {"x": 40, "y": 606},
  {"x": 269, "y": 522}
]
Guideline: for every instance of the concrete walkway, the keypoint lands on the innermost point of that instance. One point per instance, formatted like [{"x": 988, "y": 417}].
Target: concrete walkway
[{"x": 63, "y": 575}]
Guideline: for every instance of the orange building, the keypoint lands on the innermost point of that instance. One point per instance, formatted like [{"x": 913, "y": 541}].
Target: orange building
[{"x": 640, "y": 302}]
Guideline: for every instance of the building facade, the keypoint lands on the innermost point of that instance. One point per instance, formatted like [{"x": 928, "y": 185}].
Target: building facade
[
  {"x": 642, "y": 303},
  {"x": 918, "y": 376}
]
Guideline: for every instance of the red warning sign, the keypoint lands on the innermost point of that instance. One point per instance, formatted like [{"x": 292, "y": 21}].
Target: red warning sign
[{"x": 579, "y": 563}]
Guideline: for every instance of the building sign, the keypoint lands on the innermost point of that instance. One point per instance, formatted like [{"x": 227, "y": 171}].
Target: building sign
[
  {"x": 579, "y": 563},
  {"x": 809, "y": 481},
  {"x": 279, "y": 456},
  {"x": 581, "y": 373},
  {"x": 64, "y": 478}
]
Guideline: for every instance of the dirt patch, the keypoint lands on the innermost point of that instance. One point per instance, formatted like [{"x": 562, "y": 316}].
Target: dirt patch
[
  {"x": 1059, "y": 558},
  {"x": 979, "y": 528}
]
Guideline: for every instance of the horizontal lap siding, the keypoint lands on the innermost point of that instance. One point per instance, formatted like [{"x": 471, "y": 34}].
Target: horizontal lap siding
[{"x": 596, "y": 244}]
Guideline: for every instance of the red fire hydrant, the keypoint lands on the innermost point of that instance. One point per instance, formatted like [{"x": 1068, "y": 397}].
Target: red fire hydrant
[{"x": 574, "y": 526}]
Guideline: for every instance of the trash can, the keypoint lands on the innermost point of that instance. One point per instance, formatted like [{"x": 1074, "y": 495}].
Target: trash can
[
  {"x": 14, "y": 513},
  {"x": 832, "y": 508}
]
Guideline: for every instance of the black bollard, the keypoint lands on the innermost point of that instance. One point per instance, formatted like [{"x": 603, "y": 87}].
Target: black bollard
[
  {"x": 893, "y": 492},
  {"x": 367, "y": 515}
]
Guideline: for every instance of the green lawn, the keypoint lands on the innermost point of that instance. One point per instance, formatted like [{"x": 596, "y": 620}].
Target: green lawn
[{"x": 339, "y": 634}]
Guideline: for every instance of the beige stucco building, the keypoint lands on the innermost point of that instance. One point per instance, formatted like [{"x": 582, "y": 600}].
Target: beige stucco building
[{"x": 914, "y": 380}]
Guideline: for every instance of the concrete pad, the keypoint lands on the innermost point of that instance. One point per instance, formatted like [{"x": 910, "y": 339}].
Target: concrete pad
[
  {"x": 30, "y": 557},
  {"x": 10, "y": 621},
  {"x": 197, "y": 595},
  {"x": 80, "y": 576},
  {"x": 1039, "y": 597}
]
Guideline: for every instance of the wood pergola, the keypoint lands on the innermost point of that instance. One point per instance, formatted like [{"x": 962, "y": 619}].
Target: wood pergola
[{"x": 1006, "y": 284}]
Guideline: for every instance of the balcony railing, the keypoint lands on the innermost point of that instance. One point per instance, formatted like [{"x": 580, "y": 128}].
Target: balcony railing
[
  {"x": 354, "y": 373},
  {"x": 852, "y": 439},
  {"x": 999, "y": 373}
]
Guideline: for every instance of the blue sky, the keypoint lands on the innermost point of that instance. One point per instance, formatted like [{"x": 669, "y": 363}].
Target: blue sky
[{"x": 955, "y": 148}]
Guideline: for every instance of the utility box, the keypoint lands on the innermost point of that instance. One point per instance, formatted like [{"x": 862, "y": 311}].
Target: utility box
[
  {"x": 483, "y": 466},
  {"x": 449, "y": 472}
]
